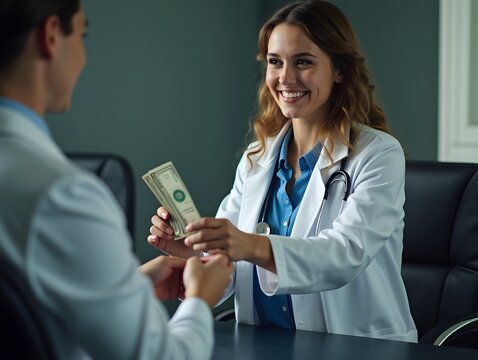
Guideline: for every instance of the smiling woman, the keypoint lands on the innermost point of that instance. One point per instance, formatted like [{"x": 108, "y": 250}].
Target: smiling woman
[
  {"x": 322, "y": 260},
  {"x": 300, "y": 76},
  {"x": 329, "y": 35}
]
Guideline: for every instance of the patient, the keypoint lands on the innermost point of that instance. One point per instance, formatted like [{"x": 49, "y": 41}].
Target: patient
[{"x": 62, "y": 229}]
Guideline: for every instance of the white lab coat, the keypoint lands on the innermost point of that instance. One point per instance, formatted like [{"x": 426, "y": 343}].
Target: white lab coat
[
  {"x": 62, "y": 229},
  {"x": 344, "y": 274}
]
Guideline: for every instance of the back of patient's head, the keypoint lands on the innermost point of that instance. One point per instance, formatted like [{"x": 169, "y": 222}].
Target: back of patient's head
[{"x": 18, "y": 18}]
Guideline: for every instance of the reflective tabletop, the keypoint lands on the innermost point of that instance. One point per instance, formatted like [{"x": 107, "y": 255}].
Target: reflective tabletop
[{"x": 239, "y": 341}]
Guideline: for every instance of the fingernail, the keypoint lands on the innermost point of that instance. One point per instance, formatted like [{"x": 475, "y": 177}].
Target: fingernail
[
  {"x": 188, "y": 228},
  {"x": 170, "y": 231},
  {"x": 163, "y": 215},
  {"x": 186, "y": 241}
]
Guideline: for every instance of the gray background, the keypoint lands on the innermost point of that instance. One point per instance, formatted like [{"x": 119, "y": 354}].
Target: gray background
[{"x": 176, "y": 80}]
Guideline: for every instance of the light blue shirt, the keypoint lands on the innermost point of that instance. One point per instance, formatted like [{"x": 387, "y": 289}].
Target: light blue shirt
[
  {"x": 277, "y": 310},
  {"x": 32, "y": 116}
]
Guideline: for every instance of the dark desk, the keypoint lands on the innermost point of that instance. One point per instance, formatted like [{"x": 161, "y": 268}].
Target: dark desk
[{"x": 244, "y": 342}]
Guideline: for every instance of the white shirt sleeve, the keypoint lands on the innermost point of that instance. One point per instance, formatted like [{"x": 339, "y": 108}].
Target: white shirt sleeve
[{"x": 81, "y": 268}]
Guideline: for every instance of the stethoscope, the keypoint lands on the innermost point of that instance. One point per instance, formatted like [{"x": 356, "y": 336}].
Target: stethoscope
[{"x": 340, "y": 176}]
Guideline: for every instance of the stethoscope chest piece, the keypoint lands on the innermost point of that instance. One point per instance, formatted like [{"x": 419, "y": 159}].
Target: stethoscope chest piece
[{"x": 263, "y": 228}]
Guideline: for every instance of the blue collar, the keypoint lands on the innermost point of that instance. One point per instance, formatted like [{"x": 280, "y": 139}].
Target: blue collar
[
  {"x": 32, "y": 116},
  {"x": 309, "y": 159}
]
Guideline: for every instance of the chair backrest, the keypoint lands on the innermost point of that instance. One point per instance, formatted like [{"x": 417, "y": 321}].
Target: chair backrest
[
  {"x": 117, "y": 174},
  {"x": 440, "y": 256},
  {"x": 22, "y": 333}
]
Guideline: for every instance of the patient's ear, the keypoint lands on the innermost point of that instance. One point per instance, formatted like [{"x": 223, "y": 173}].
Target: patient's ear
[{"x": 48, "y": 36}]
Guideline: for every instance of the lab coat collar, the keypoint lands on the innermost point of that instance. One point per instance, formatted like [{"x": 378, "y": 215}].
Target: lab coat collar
[
  {"x": 311, "y": 204},
  {"x": 27, "y": 112},
  {"x": 273, "y": 145},
  {"x": 340, "y": 150},
  {"x": 14, "y": 123}
]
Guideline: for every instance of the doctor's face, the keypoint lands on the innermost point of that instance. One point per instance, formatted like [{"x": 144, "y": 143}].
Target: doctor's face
[{"x": 300, "y": 76}]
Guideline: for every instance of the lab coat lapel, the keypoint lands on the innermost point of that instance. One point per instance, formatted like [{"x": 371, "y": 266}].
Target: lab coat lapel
[
  {"x": 258, "y": 182},
  {"x": 314, "y": 194},
  {"x": 310, "y": 205},
  {"x": 255, "y": 192}
]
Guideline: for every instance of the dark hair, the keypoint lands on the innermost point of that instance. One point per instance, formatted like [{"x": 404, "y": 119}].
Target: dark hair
[
  {"x": 350, "y": 101},
  {"x": 18, "y": 18}
]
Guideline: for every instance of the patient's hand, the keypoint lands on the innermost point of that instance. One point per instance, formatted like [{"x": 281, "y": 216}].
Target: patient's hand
[{"x": 166, "y": 274}]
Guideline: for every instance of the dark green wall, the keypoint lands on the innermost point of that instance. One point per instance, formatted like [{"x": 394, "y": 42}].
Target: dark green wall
[
  {"x": 166, "y": 80},
  {"x": 400, "y": 42}
]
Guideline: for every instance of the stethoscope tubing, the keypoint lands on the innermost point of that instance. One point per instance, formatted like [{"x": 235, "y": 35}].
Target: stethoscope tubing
[{"x": 338, "y": 176}]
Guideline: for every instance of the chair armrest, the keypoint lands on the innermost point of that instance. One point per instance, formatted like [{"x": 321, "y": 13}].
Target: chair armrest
[
  {"x": 443, "y": 333},
  {"x": 226, "y": 315}
]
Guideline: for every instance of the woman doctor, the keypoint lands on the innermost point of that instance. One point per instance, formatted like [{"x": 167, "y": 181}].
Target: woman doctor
[{"x": 317, "y": 262}]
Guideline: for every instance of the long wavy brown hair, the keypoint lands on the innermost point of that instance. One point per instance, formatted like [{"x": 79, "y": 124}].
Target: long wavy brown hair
[{"x": 350, "y": 101}]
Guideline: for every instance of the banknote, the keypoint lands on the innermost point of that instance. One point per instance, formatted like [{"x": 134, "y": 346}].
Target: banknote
[{"x": 168, "y": 187}]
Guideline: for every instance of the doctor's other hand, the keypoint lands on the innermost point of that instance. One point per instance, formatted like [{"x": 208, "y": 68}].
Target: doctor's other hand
[
  {"x": 207, "y": 277},
  {"x": 162, "y": 236},
  {"x": 221, "y": 236},
  {"x": 166, "y": 274}
]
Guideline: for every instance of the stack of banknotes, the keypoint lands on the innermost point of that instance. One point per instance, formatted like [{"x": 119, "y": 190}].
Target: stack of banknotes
[{"x": 168, "y": 187}]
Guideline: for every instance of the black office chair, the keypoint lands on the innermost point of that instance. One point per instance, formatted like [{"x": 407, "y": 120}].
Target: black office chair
[
  {"x": 117, "y": 174},
  {"x": 22, "y": 333},
  {"x": 440, "y": 257},
  {"x": 227, "y": 314}
]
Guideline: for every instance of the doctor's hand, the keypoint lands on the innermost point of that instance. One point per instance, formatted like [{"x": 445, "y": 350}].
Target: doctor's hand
[
  {"x": 162, "y": 236},
  {"x": 166, "y": 274},
  {"x": 220, "y": 236}
]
